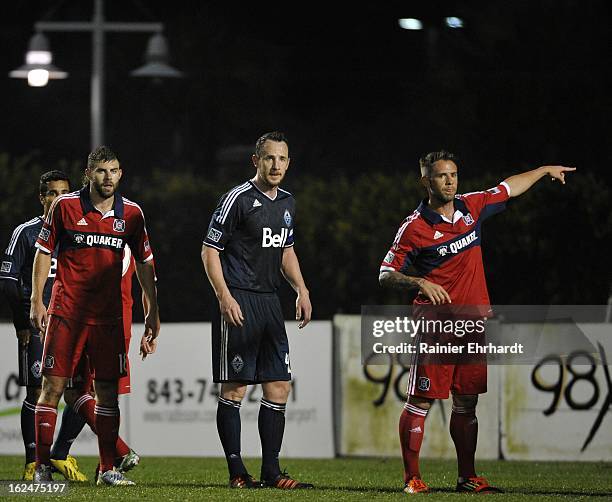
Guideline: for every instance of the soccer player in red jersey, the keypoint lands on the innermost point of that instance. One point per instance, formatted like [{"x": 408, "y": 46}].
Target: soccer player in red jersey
[
  {"x": 90, "y": 228},
  {"x": 437, "y": 251}
]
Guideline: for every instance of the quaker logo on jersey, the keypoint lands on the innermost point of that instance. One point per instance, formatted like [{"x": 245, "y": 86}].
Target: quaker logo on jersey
[
  {"x": 442, "y": 250},
  {"x": 98, "y": 241},
  {"x": 119, "y": 225},
  {"x": 215, "y": 235},
  {"x": 36, "y": 369},
  {"x": 44, "y": 234},
  {"x": 6, "y": 266},
  {"x": 49, "y": 362},
  {"x": 424, "y": 384},
  {"x": 465, "y": 241},
  {"x": 237, "y": 363},
  {"x": 390, "y": 257},
  {"x": 287, "y": 218},
  {"x": 271, "y": 240},
  {"x": 468, "y": 219}
]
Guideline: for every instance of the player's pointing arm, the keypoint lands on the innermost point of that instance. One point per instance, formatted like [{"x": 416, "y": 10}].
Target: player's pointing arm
[{"x": 520, "y": 183}]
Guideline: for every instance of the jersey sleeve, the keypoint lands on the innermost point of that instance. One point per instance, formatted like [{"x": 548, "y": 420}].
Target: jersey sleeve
[
  {"x": 403, "y": 251},
  {"x": 51, "y": 229},
  {"x": 13, "y": 263},
  {"x": 15, "y": 255},
  {"x": 139, "y": 239},
  {"x": 223, "y": 222},
  {"x": 489, "y": 202}
]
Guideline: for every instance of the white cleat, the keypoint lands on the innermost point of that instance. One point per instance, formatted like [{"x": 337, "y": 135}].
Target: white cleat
[{"x": 113, "y": 478}]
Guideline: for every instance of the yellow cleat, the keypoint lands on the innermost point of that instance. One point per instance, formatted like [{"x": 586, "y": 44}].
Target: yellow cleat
[
  {"x": 28, "y": 471},
  {"x": 69, "y": 469}
]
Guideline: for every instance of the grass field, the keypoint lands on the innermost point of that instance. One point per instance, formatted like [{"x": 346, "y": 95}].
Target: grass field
[{"x": 172, "y": 479}]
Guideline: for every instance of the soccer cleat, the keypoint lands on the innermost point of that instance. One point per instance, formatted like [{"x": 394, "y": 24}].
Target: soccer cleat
[
  {"x": 42, "y": 474},
  {"x": 113, "y": 478},
  {"x": 244, "y": 481},
  {"x": 69, "y": 469},
  {"x": 28, "y": 471},
  {"x": 284, "y": 482},
  {"x": 477, "y": 484},
  {"x": 415, "y": 485},
  {"x": 129, "y": 461}
]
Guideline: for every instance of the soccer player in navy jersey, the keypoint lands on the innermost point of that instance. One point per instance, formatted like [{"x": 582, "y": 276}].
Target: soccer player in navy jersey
[
  {"x": 249, "y": 243},
  {"x": 90, "y": 229},
  {"x": 437, "y": 252},
  {"x": 16, "y": 285}
]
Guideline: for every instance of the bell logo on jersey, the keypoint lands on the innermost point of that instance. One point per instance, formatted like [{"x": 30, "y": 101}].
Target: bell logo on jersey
[{"x": 271, "y": 240}]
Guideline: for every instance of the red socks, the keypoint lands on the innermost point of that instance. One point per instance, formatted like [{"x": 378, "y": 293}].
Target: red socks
[
  {"x": 107, "y": 427},
  {"x": 464, "y": 431},
  {"x": 45, "y": 417},
  {"x": 86, "y": 407},
  {"x": 411, "y": 428}
]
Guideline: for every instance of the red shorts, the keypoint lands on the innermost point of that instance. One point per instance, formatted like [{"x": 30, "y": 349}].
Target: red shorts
[
  {"x": 434, "y": 381},
  {"x": 434, "y": 375},
  {"x": 67, "y": 341}
]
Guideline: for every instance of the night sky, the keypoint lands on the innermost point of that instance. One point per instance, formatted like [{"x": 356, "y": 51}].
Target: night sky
[{"x": 524, "y": 82}]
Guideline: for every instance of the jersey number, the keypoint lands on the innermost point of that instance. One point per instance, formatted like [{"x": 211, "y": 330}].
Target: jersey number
[{"x": 53, "y": 269}]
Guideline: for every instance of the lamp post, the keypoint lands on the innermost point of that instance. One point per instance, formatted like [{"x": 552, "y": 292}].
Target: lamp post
[{"x": 156, "y": 59}]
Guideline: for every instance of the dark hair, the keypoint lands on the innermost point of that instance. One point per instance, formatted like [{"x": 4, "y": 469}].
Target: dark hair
[
  {"x": 272, "y": 136},
  {"x": 54, "y": 175},
  {"x": 427, "y": 161},
  {"x": 100, "y": 155}
]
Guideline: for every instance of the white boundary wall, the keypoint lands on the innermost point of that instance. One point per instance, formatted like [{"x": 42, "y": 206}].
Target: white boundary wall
[{"x": 172, "y": 408}]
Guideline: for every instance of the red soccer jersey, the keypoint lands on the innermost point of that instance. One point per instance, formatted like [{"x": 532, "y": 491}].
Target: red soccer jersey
[
  {"x": 90, "y": 255},
  {"x": 444, "y": 252}
]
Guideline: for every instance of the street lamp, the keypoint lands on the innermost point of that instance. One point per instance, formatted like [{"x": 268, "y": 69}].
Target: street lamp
[{"x": 38, "y": 68}]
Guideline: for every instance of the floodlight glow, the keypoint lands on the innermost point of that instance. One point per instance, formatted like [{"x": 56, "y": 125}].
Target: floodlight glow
[
  {"x": 38, "y": 57},
  {"x": 38, "y": 78},
  {"x": 453, "y": 22},
  {"x": 410, "y": 23}
]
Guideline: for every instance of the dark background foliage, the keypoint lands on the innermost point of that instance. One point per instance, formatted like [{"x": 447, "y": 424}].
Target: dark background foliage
[{"x": 523, "y": 84}]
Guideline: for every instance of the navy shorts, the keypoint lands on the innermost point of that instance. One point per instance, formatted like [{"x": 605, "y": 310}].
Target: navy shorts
[
  {"x": 30, "y": 361},
  {"x": 259, "y": 350}
]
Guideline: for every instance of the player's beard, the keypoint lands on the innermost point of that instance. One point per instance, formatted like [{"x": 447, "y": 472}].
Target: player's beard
[
  {"x": 443, "y": 197},
  {"x": 103, "y": 191},
  {"x": 274, "y": 181}
]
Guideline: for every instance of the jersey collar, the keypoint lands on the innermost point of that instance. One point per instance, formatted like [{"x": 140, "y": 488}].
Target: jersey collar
[
  {"x": 434, "y": 218},
  {"x": 88, "y": 206}
]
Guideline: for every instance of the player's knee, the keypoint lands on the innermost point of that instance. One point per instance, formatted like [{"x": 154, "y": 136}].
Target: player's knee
[
  {"x": 52, "y": 390},
  {"x": 233, "y": 391},
  {"x": 277, "y": 392},
  {"x": 106, "y": 393},
  {"x": 466, "y": 401},
  {"x": 421, "y": 402}
]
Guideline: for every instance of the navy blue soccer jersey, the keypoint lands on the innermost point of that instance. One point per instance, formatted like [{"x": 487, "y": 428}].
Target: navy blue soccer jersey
[
  {"x": 251, "y": 230},
  {"x": 18, "y": 260}
]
